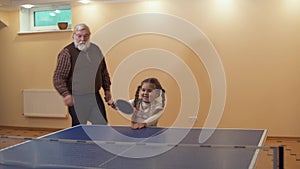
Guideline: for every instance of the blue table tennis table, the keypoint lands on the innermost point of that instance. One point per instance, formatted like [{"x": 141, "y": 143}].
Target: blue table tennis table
[{"x": 120, "y": 147}]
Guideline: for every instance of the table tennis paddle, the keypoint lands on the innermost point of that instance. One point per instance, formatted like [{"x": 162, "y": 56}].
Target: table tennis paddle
[{"x": 124, "y": 106}]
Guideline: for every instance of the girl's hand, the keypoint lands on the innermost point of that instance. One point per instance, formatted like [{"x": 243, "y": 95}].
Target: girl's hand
[
  {"x": 134, "y": 125},
  {"x": 137, "y": 125},
  {"x": 141, "y": 125}
]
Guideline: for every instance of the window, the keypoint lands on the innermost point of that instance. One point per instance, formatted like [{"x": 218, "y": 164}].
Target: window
[{"x": 44, "y": 18}]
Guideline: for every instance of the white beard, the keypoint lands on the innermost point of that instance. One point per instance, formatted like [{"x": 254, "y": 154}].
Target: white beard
[{"x": 83, "y": 46}]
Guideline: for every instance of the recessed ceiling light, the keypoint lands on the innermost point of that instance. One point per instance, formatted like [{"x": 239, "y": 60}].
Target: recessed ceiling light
[
  {"x": 52, "y": 14},
  {"x": 28, "y": 6},
  {"x": 85, "y": 1}
]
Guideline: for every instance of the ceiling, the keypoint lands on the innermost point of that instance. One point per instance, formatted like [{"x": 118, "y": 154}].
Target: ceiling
[
  {"x": 9, "y": 5},
  {"x": 15, "y": 4}
]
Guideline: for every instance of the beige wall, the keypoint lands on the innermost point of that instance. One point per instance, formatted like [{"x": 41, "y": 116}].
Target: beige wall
[
  {"x": 258, "y": 43},
  {"x": 3, "y": 18}
]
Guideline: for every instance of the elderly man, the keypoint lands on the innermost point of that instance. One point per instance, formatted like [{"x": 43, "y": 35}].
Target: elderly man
[{"x": 79, "y": 75}]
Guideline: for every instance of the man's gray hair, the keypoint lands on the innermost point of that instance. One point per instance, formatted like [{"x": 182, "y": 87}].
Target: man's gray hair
[{"x": 81, "y": 26}]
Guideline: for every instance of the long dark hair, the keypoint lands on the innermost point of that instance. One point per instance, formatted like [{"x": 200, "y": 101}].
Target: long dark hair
[{"x": 157, "y": 85}]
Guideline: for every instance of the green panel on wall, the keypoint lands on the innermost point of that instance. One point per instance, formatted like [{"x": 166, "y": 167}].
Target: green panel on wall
[{"x": 50, "y": 17}]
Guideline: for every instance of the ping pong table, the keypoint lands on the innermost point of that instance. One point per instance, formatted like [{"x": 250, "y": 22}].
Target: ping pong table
[{"x": 120, "y": 147}]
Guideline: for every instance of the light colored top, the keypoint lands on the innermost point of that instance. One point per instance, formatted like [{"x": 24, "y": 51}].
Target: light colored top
[{"x": 148, "y": 113}]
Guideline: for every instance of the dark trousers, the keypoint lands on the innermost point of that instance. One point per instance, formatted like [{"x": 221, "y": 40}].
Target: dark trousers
[{"x": 88, "y": 107}]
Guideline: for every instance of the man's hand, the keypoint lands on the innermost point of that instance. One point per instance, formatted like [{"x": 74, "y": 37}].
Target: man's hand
[
  {"x": 109, "y": 100},
  {"x": 68, "y": 100},
  {"x": 112, "y": 104},
  {"x": 107, "y": 96}
]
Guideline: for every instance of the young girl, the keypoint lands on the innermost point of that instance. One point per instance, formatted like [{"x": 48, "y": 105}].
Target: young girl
[{"x": 147, "y": 109}]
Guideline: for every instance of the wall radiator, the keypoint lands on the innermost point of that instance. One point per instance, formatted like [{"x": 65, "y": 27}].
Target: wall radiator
[{"x": 43, "y": 103}]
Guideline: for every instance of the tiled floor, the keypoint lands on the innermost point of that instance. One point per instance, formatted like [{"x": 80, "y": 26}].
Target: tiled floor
[
  {"x": 291, "y": 153},
  {"x": 264, "y": 161}
]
